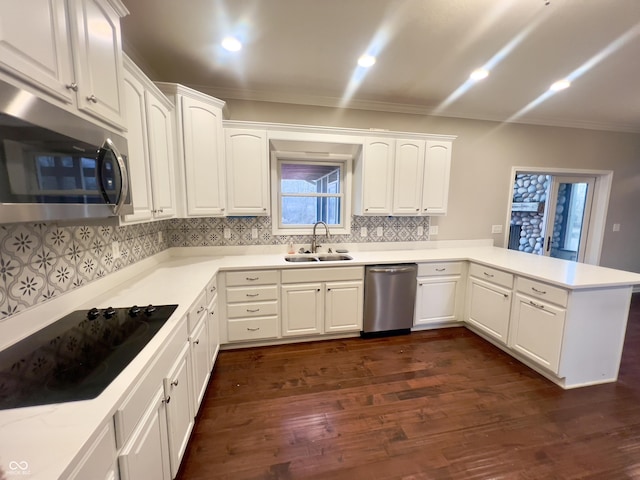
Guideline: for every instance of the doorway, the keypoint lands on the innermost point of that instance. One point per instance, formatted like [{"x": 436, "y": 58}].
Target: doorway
[{"x": 558, "y": 213}]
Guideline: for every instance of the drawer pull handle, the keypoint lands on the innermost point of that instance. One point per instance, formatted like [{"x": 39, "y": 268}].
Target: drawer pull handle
[
  {"x": 213, "y": 289},
  {"x": 490, "y": 275},
  {"x": 252, "y": 279},
  {"x": 175, "y": 383},
  {"x": 252, "y": 294},
  {"x": 200, "y": 310},
  {"x": 505, "y": 295},
  {"x": 440, "y": 269},
  {"x": 541, "y": 292},
  {"x": 92, "y": 99},
  {"x": 254, "y": 310},
  {"x": 537, "y": 305},
  {"x": 166, "y": 400},
  {"x": 253, "y": 329}
]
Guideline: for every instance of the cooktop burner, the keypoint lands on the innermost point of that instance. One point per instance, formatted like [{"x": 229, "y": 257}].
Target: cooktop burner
[{"x": 78, "y": 356}]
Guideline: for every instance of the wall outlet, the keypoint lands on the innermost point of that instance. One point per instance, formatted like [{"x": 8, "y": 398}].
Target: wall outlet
[
  {"x": 496, "y": 228},
  {"x": 379, "y": 231},
  {"x": 115, "y": 249},
  {"x": 420, "y": 230},
  {"x": 616, "y": 227},
  {"x": 254, "y": 233},
  {"x": 433, "y": 229},
  {"x": 363, "y": 231},
  {"x": 227, "y": 233}
]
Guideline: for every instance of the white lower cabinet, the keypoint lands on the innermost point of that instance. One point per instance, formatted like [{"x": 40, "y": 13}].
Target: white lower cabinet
[
  {"x": 488, "y": 306},
  {"x": 99, "y": 460},
  {"x": 330, "y": 304},
  {"x": 213, "y": 321},
  {"x": 146, "y": 454},
  {"x": 199, "y": 340},
  {"x": 440, "y": 293}
]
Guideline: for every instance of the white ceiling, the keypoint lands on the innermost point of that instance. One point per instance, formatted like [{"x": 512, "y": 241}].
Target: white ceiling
[{"x": 305, "y": 51}]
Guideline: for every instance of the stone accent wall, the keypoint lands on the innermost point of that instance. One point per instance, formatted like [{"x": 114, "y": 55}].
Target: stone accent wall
[
  {"x": 559, "y": 218},
  {"x": 529, "y": 187}
]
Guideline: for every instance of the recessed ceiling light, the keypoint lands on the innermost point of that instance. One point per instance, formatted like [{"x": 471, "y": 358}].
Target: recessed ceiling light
[
  {"x": 231, "y": 44},
  {"x": 366, "y": 61},
  {"x": 560, "y": 85},
  {"x": 479, "y": 74}
]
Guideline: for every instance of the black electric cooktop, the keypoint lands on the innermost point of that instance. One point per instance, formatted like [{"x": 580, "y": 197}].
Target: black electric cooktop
[{"x": 78, "y": 356}]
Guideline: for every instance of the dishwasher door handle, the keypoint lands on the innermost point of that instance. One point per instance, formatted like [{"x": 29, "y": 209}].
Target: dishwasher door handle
[{"x": 390, "y": 269}]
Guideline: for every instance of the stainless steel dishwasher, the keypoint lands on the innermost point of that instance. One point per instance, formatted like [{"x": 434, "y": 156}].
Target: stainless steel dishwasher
[{"x": 389, "y": 299}]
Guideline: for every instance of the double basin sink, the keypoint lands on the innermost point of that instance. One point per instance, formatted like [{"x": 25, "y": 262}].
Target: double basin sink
[{"x": 321, "y": 257}]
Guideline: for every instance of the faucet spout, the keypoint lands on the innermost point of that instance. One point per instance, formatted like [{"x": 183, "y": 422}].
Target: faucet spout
[{"x": 314, "y": 243}]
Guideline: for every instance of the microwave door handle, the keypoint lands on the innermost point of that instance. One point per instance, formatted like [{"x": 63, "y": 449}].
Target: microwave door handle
[{"x": 124, "y": 178}]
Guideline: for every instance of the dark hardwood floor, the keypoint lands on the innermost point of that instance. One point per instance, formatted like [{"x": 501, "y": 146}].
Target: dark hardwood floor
[{"x": 441, "y": 404}]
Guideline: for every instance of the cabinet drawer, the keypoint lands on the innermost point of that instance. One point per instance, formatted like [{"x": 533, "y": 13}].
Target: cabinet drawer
[
  {"x": 255, "y": 309},
  {"x": 441, "y": 268},
  {"x": 212, "y": 289},
  {"x": 252, "y": 294},
  {"x": 491, "y": 275},
  {"x": 196, "y": 310},
  {"x": 543, "y": 291},
  {"x": 334, "y": 274},
  {"x": 252, "y": 328},
  {"x": 252, "y": 277}
]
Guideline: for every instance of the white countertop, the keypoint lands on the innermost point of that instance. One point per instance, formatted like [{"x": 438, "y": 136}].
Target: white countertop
[{"x": 50, "y": 437}]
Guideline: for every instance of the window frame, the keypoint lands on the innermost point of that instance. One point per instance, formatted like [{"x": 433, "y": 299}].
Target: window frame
[{"x": 345, "y": 162}]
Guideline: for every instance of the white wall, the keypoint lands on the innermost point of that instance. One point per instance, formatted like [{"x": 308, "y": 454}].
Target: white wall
[{"x": 483, "y": 156}]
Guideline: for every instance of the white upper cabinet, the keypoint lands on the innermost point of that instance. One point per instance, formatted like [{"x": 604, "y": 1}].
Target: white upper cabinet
[
  {"x": 40, "y": 55},
  {"x": 435, "y": 192},
  {"x": 247, "y": 164},
  {"x": 136, "y": 123},
  {"x": 376, "y": 197},
  {"x": 70, "y": 53},
  {"x": 408, "y": 175},
  {"x": 161, "y": 153}
]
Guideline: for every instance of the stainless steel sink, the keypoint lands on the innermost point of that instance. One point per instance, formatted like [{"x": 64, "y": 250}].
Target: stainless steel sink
[
  {"x": 301, "y": 259},
  {"x": 325, "y": 257},
  {"x": 330, "y": 257}
]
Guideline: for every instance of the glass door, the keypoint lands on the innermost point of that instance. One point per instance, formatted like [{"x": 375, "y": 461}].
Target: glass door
[{"x": 567, "y": 219}]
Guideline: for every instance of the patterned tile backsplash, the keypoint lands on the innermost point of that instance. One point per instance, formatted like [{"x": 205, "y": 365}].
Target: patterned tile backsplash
[{"x": 39, "y": 261}]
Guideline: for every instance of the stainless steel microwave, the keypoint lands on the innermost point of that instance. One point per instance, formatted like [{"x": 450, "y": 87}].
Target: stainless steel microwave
[{"x": 57, "y": 166}]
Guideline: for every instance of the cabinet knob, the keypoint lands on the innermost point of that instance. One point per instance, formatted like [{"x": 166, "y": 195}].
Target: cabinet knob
[
  {"x": 92, "y": 99},
  {"x": 175, "y": 383},
  {"x": 72, "y": 86},
  {"x": 196, "y": 342},
  {"x": 200, "y": 310},
  {"x": 417, "y": 209},
  {"x": 166, "y": 400},
  {"x": 264, "y": 209},
  {"x": 366, "y": 209}
]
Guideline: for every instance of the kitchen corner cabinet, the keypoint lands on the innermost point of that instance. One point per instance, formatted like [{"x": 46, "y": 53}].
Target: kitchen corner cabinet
[
  {"x": 71, "y": 56},
  {"x": 247, "y": 163},
  {"x": 437, "y": 166},
  {"x": 488, "y": 306},
  {"x": 440, "y": 294},
  {"x": 200, "y": 148}
]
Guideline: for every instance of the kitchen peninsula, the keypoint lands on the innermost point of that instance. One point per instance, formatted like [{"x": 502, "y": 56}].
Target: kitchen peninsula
[{"x": 591, "y": 304}]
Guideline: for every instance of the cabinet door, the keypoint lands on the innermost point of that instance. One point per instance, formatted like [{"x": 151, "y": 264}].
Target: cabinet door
[
  {"x": 180, "y": 417},
  {"x": 302, "y": 309},
  {"x": 139, "y": 171},
  {"x": 40, "y": 53},
  {"x": 489, "y": 308},
  {"x": 247, "y": 165},
  {"x": 161, "y": 153},
  {"x": 377, "y": 176},
  {"x": 408, "y": 177},
  {"x": 146, "y": 455},
  {"x": 437, "y": 300},
  {"x": 435, "y": 192},
  {"x": 200, "y": 359},
  {"x": 214, "y": 332},
  {"x": 99, "y": 460},
  {"x": 203, "y": 157},
  {"x": 343, "y": 310},
  {"x": 97, "y": 59},
  {"x": 537, "y": 330}
]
